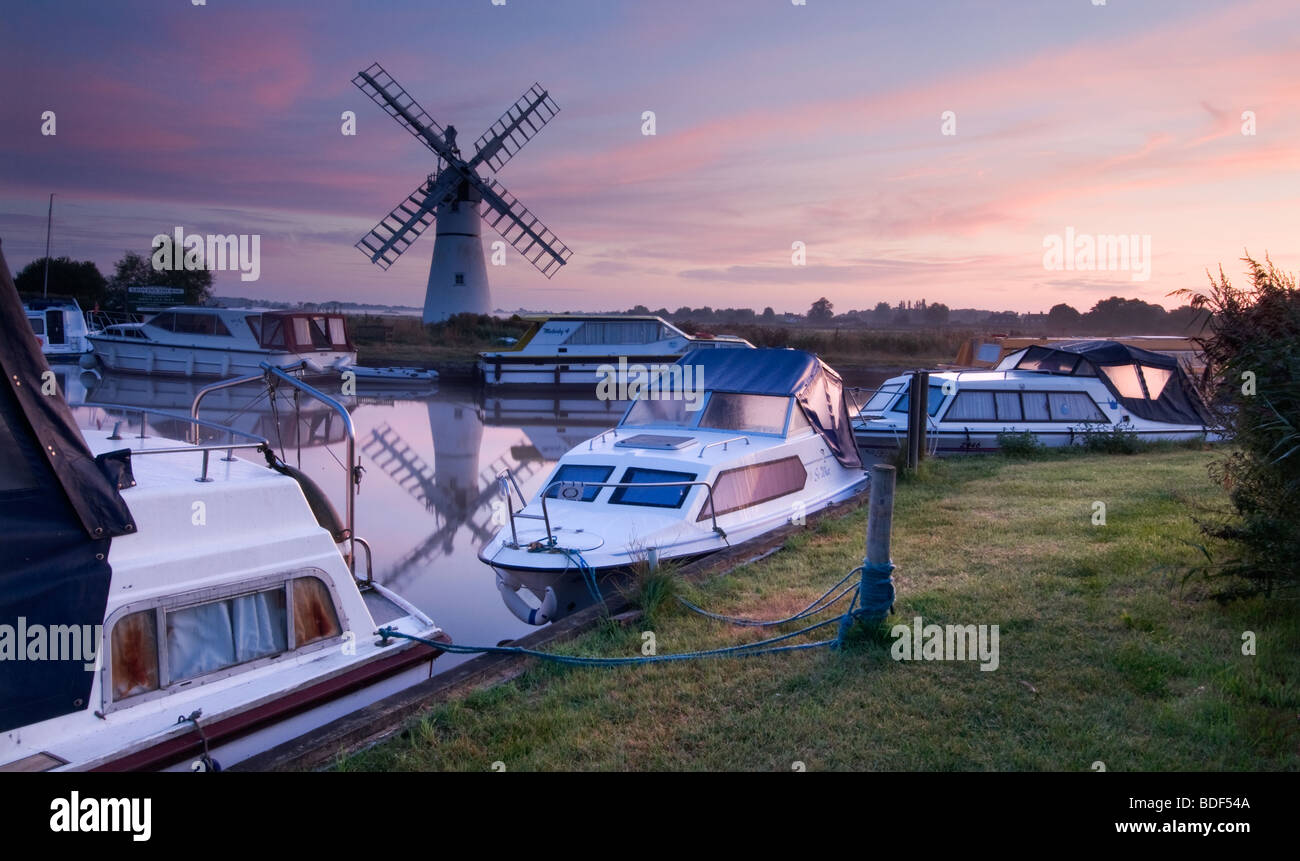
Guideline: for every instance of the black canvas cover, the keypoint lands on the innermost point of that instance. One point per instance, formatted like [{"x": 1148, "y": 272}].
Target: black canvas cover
[
  {"x": 58, "y": 513},
  {"x": 817, "y": 389},
  {"x": 1177, "y": 402}
]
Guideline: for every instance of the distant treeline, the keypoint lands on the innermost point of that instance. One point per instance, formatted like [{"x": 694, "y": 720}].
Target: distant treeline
[{"x": 1114, "y": 316}]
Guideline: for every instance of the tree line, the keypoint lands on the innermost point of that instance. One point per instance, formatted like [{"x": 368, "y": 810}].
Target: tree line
[{"x": 82, "y": 280}]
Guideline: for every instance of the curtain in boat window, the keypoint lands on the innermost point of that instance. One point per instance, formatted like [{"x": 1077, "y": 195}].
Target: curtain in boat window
[
  {"x": 1073, "y": 407},
  {"x": 337, "y": 333},
  {"x": 615, "y": 332},
  {"x": 754, "y": 484},
  {"x": 1008, "y": 404},
  {"x": 213, "y": 636},
  {"x": 1036, "y": 409},
  {"x": 972, "y": 406}
]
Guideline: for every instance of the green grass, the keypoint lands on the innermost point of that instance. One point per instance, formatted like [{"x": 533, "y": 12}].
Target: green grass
[{"x": 1105, "y": 654}]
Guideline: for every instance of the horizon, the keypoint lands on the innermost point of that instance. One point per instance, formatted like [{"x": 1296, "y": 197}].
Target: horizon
[{"x": 820, "y": 124}]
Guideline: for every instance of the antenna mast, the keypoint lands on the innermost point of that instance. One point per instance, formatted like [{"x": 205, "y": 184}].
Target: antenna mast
[{"x": 49, "y": 222}]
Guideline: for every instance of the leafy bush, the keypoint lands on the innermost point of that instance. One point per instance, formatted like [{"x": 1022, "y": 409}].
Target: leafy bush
[
  {"x": 1112, "y": 439},
  {"x": 1021, "y": 444},
  {"x": 1253, "y": 354}
]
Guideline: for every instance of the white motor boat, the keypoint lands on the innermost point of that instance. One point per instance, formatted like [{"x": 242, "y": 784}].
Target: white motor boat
[
  {"x": 196, "y": 341},
  {"x": 764, "y": 442},
  {"x": 166, "y": 604},
  {"x": 575, "y": 350},
  {"x": 1059, "y": 393},
  {"x": 60, "y": 327}
]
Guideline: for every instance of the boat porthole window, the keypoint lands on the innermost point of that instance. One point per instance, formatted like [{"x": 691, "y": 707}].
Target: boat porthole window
[
  {"x": 314, "y": 616},
  {"x": 134, "y": 648}
]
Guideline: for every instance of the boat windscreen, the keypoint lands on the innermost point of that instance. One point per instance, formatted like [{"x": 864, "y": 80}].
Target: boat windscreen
[
  {"x": 753, "y": 413},
  {"x": 660, "y": 412}
]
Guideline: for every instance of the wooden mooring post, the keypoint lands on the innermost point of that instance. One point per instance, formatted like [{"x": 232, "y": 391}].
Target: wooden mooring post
[
  {"x": 918, "y": 414},
  {"x": 876, "y": 590}
]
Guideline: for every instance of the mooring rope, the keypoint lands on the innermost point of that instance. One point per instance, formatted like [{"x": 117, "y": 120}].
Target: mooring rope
[{"x": 876, "y": 594}]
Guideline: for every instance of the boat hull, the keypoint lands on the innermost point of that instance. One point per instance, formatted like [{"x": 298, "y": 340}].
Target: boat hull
[{"x": 125, "y": 355}]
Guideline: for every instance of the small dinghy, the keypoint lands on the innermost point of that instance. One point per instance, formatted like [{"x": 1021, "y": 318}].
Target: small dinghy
[{"x": 731, "y": 445}]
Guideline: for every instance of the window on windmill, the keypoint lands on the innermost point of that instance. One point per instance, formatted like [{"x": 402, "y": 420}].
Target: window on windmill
[{"x": 460, "y": 278}]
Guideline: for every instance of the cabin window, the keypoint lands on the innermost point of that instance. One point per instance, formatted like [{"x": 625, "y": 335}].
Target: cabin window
[
  {"x": 754, "y": 413},
  {"x": 273, "y": 332},
  {"x": 666, "y": 412},
  {"x": 134, "y": 648},
  {"x": 255, "y": 326},
  {"x": 38, "y": 325},
  {"x": 1036, "y": 408},
  {"x": 656, "y": 497},
  {"x": 934, "y": 400},
  {"x": 1085, "y": 369},
  {"x": 1125, "y": 380},
  {"x": 1055, "y": 362},
  {"x": 165, "y": 321},
  {"x": 589, "y": 473},
  {"x": 972, "y": 406},
  {"x": 314, "y": 616},
  {"x": 755, "y": 484},
  {"x": 1007, "y": 405},
  {"x": 1156, "y": 379},
  {"x": 338, "y": 333},
  {"x": 798, "y": 422},
  {"x": 1073, "y": 407},
  {"x": 199, "y": 324},
  {"x": 615, "y": 332},
  {"x": 221, "y": 634}
]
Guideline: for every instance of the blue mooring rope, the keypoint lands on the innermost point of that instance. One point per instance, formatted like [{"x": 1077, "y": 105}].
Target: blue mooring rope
[{"x": 875, "y": 590}]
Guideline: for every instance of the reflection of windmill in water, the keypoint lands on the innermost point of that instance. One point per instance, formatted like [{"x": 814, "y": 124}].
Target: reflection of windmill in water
[
  {"x": 459, "y": 198},
  {"x": 455, "y": 489}
]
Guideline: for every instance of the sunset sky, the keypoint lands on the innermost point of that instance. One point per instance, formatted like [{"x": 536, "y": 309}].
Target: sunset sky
[{"x": 776, "y": 123}]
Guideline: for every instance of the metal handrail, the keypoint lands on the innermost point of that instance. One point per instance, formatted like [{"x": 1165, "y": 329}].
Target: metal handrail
[
  {"x": 545, "y": 516},
  {"x": 351, "y": 477},
  {"x": 723, "y": 443},
  {"x": 255, "y": 441},
  {"x": 592, "y": 442}
]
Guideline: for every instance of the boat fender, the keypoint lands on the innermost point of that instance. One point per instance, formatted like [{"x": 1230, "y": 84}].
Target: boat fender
[
  {"x": 516, "y": 604},
  {"x": 320, "y": 504}
]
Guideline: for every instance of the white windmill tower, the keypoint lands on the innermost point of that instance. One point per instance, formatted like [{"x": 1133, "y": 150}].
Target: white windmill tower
[{"x": 459, "y": 199}]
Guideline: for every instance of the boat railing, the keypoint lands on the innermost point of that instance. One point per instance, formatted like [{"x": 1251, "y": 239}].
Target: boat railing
[
  {"x": 98, "y": 321},
  {"x": 861, "y": 396},
  {"x": 575, "y": 490},
  {"x": 272, "y": 376},
  {"x": 252, "y": 441},
  {"x": 723, "y": 443},
  {"x": 591, "y": 443}
]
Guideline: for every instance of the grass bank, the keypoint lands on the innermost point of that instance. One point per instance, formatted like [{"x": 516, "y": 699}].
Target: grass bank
[{"x": 1104, "y": 656}]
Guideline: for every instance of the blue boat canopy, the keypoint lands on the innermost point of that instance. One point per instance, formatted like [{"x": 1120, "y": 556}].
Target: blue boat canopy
[
  {"x": 817, "y": 389},
  {"x": 1150, "y": 385}
]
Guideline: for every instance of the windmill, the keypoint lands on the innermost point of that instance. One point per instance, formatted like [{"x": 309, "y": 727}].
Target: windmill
[{"x": 459, "y": 199}]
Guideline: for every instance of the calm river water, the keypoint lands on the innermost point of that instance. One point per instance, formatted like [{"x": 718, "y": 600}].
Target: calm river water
[{"x": 430, "y": 456}]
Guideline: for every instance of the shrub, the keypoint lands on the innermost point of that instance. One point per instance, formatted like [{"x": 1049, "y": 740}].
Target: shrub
[
  {"x": 1020, "y": 444},
  {"x": 1253, "y": 353}
]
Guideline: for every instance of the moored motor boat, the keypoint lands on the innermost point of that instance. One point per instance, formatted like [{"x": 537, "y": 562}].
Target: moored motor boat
[
  {"x": 578, "y": 350},
  {"x": 1060, "y": 394},
  {"x": 166, "y": 604},
  {"x": 767, "y": 443}
]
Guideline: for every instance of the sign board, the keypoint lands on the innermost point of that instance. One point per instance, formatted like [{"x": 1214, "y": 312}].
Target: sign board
[{"x": 152, "y": 296}]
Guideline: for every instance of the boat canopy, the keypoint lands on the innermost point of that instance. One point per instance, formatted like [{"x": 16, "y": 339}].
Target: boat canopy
[
  {"x": 1152, "y": 386},
  {"x": 59, "y": 509},
  {"x": 816, "y": 388}
]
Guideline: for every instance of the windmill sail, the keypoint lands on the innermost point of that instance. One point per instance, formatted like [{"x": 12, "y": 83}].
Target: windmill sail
[
  {"x": 401, "y": 106},
  {"x": 529, "y": 236},
  {"x": 395, "y": 232},
  {"x": 524, "y": 119}
]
